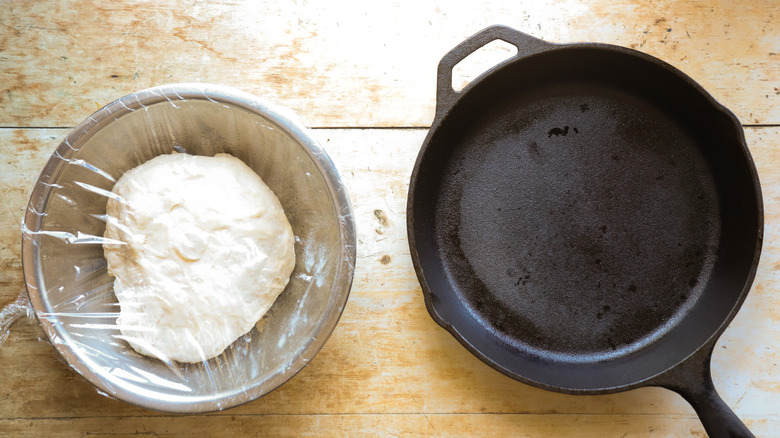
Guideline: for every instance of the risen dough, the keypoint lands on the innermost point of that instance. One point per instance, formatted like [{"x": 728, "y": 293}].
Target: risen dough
[{"x": 208, "y": 250}]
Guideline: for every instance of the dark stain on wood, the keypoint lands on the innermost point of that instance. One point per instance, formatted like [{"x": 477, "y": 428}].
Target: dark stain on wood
[{"x": 381, "y": 217}]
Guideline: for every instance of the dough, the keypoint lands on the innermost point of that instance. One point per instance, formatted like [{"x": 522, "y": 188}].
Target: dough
[{"x": 208, "y": 250}]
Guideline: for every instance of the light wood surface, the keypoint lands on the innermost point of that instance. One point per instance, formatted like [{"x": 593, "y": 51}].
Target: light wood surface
[
  {"x": 363, "y": 74},
  {"x": 352, "y": 63}
]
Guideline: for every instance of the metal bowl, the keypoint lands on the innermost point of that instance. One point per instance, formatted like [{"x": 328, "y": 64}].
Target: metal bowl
[{"x": 65, "y": 270}]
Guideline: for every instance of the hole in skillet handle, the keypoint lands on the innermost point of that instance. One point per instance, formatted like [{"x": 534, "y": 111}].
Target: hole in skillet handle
[
  {"x": 481, "y": 60},
  {"x": 692, "y": 379},
  {"x": 524, "y": 43}
]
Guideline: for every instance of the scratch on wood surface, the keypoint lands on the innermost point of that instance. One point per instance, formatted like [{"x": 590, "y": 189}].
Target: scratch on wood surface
[
  {"x": 421, "y": 407},
  {"x": 739, "y": 400},
  {"x": 7, "y": 205}
]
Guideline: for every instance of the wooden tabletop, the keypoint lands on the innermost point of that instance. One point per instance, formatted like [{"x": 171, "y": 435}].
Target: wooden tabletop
[{"x": 362, "y": 75}]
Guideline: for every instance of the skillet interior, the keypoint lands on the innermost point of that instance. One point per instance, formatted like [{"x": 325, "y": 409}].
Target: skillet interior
[{"x": 585, "y": 219}]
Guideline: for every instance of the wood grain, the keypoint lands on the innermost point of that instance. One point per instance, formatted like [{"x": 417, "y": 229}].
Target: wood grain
[
  {"x": 388, "y": 369},
  {"x": 352, "y": 63},
  {"x": 416, "y": 425}
]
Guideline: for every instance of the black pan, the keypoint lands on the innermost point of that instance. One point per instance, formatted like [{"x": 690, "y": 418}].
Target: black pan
[{"x": 586, "y": 219}]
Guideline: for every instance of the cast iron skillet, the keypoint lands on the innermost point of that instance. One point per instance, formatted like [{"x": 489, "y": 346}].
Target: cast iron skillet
[{"x": 587, "y": 219}]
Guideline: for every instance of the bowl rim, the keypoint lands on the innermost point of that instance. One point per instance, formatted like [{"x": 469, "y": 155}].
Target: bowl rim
[{"x": 284, "y": 119}]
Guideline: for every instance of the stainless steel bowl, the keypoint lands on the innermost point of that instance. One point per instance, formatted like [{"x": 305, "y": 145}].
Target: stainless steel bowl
[{"x": 65, "y": 271}]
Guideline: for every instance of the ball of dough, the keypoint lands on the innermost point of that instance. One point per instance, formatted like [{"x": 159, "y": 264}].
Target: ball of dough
[{"x": 207, "y": 251}]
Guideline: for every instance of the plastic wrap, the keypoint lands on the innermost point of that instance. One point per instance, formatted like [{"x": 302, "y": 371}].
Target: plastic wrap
[
  {"x": 13, "y": 311},
  {"x": 65, "y": 268}
]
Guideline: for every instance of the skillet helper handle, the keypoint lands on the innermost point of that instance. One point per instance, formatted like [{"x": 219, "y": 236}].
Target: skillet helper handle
[
  {"x": 692, "y": 379},
  {"x": 526, "y": 45}
]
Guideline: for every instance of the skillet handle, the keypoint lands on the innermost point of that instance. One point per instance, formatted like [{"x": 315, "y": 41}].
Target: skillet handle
[
  {"x": 526, "y": 45},
  {"x": 692, "y": 379}
]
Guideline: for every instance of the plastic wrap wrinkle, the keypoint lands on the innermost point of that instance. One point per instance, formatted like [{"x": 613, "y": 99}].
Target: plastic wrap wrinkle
[
  {"x": 55, "y": 186},
  {"x": 125, "y": 106},
  {"x": 64, "y": 198},
  {"x": 78, "y": 239},
  {"x": 176, "y": 93},
  {"x": 32, "y": 209},
  {"x": 67, "y": 143},
  {"x": 82, "y": 163},
  {"x": 153, "y": 378},
  {"x": 169, "y": 100},
  {"x": 99, "y": 191},
  {"x": 12, "y": 312}
]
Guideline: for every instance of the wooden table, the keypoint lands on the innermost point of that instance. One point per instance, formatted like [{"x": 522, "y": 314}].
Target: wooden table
[{"x": 362, "y": 75}]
